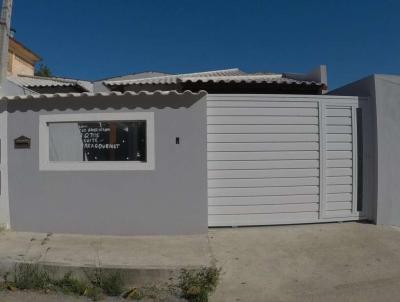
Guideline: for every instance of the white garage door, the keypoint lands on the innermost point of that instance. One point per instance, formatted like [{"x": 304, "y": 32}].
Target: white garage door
[{"x": 264, "y": 158}]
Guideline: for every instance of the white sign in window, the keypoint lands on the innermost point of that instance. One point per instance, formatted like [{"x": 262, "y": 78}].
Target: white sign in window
[{"x": 107, "y": 141}]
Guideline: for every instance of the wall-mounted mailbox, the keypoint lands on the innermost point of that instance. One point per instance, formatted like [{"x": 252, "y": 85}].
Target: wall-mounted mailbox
[{"x": 22, "y": 142}]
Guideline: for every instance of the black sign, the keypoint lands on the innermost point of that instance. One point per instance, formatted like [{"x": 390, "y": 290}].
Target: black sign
[{"x": 22, "y": 142}]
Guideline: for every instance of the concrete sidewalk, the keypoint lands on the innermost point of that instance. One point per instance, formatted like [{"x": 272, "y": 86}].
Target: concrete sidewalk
[
  {"x": 143, "y": 258},
  {"x": 347, "y": 262},
  {"x": 332, "y": 262}
]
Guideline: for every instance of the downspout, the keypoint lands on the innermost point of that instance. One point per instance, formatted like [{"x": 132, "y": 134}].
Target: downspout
[{"x": 5, "y": 22}]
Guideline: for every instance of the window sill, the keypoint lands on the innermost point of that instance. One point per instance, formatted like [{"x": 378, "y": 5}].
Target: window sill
[{"x": 96, "y": 166}]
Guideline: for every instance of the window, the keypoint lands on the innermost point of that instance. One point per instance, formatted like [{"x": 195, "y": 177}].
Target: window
[
  {"x": 97, "y": 141},
  {"x": 106, "y": 141}
]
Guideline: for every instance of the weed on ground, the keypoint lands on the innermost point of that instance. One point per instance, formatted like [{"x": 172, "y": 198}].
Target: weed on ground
[
  {"x": 111, "y": 282},
  {"x": 70, "y": 285},
  {"x": 195, "y": 286},
  {"x": 29, "y": 276},
  {"x": 192, "y": 285}
]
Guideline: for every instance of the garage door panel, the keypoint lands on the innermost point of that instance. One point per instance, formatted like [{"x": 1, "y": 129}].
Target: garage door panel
[
  {"x": 338, "y": 121},
  {"x": 339, "y": 163},
  {"x": 262, "y": 120},
  {"x": 331, "y": 206},
  {"x": 339, "y": 180},
  {"x": 263, "y": 111},
  {"x": 266, "y": 146},
  {"x": 262, "y": 219},
  {"x": 242, "y": 103},
  {"x": 339, "y": 172},
  {"x": 268, "y": 164},
  {"x": 254, "y": 200},
  {"x": 342, "y": 138},
  {"x": 262, "y": 98},
  {"x": 339, "y": 213},
  {"x": 254, "y": 138},
  {"x": 338, "y": 112},
  {"x": 266, "y": 182},
  {"x": 340, "y": 129},
  {"x": 262, "y": 173},
  {"x": 337, "y": 146},
  {"x": 339, "y": 197},
  {"x": 263, "y": 209},
  {"x": 215, "y": 192},
  {"x": 339, "y": 155},
  {"x": 339, "y": 189},
  {"x": 263, "y": 155},
  {"x": 296, "y": 128}
]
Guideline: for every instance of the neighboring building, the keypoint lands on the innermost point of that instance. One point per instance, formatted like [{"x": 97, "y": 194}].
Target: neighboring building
[
  {"x": 21, "y": 69},
  {"x": 21, "y": 60},
  {"x": 231, "y": 80},
  {"x": 35, "y": 84},
  {"x": 223, "y": 81}
]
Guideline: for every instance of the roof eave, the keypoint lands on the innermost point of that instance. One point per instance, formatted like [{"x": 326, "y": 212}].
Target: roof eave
[
  {"x": 100, "y": 94},
  {"x": 35, "y": 57}
]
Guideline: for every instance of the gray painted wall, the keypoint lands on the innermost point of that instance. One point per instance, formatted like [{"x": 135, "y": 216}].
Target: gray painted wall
[
  {"x": 387, "y": 90},
  {"x": 384, "y": 134},
  {"x": 9, "y": 88},
  {"x": 172, "y": 199}
]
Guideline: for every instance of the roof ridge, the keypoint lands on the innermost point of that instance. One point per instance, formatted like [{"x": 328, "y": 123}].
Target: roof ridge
[
  {"x": 179, "y": 75},
  {"x": 248, "y": 75},
  {"x": 39, "y": 81},
  {"x": 60, "y": 79},
  {"x": 204, "y": 72},
  {"x": 130, "y": 74}
]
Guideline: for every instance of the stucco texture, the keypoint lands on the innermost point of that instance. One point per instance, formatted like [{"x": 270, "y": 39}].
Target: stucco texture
[
  {"x": 383, "y": 132},
  {"x": 387, "y": 89},
  {"x": 171, "y": 199}
]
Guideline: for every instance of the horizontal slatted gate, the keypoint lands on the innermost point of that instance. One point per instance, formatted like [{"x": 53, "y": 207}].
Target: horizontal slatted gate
[
  {"x": 340, "y": 163},
  {"x": 264, "y": 158}
]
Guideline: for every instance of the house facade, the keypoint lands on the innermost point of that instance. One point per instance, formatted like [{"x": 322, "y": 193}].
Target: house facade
[
  {"x": 159, "y": 154},
  {"x": 154, "y": 153}
]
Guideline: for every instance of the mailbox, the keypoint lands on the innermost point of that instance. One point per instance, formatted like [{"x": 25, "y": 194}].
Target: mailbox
[{"x": 22, "y": 142}]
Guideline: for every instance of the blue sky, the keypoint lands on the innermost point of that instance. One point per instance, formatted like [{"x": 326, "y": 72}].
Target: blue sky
[{"x": 93, "y": 39}]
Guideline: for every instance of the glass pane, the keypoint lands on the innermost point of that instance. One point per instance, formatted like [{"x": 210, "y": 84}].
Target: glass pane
[{"x": 98, "y": 141}]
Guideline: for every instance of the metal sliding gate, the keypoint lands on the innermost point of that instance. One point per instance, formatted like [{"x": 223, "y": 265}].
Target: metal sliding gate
[{"x": 281, "y": 159}]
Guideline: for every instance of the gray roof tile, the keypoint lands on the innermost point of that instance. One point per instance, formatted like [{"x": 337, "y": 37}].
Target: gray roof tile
[
  {"x": 35, "y": 81},
  {"x": 218, "y": 76},
  {"x": 172, "y": 79},
  {"x": 101, "y": 94}
]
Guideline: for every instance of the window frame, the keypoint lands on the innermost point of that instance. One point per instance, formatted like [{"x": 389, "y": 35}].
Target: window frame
[{"x": 44, "y": 152}]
